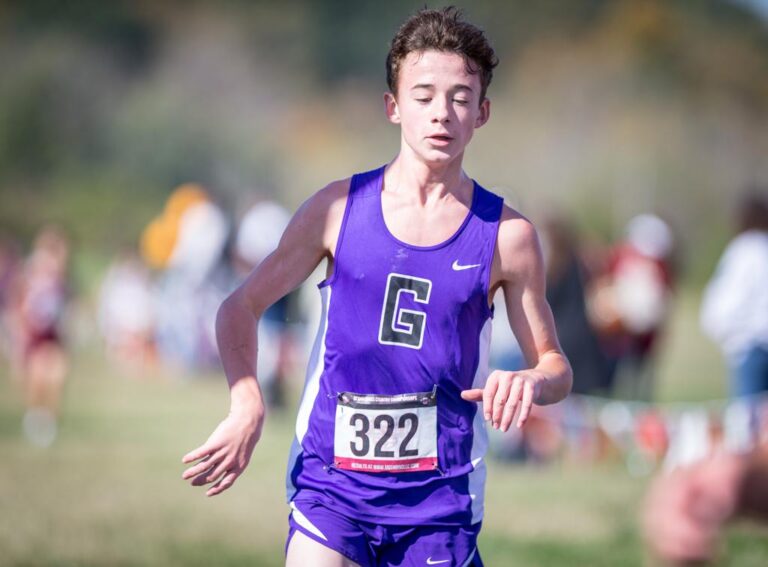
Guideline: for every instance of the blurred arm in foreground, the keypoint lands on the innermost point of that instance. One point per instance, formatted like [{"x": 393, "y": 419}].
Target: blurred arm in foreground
[{"x": 686, "y": 510}]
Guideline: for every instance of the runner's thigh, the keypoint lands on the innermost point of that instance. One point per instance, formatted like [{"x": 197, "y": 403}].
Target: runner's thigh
[{"x": 303, "y": 551}]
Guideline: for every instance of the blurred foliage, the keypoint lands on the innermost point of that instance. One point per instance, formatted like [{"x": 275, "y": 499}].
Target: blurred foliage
[{"x": 601, "y": 108}]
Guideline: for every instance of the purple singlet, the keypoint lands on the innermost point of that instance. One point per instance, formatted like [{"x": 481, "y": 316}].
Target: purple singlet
[{"x": 382, "y": 433}]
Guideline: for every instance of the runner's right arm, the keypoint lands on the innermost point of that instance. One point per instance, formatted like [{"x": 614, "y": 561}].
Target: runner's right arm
[{"x": 310, "y": 236}]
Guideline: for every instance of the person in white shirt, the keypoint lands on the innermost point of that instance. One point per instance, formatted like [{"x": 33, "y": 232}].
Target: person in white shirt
[{"x": 734, "y": 310}]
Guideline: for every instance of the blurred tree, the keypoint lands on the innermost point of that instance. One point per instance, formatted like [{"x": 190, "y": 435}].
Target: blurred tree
[
  {"x": 608, "y": 106},
  {"x": 126, "y": 28}
]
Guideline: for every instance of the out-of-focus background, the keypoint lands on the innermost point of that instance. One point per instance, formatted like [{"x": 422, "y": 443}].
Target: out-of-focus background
[{"x": 152, "y": 152}]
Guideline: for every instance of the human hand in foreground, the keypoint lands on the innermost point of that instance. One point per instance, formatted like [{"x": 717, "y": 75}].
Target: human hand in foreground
[
  {"x": 226, "y": 453},
  {"x": 685, "y": 511},
  {"x": 504, "y": 393}
]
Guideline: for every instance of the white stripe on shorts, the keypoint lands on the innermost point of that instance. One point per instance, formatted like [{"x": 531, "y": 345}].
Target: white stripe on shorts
[{"x": 304, "y": 522}]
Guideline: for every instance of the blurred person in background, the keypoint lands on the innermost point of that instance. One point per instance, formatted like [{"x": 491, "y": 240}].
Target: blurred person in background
[
  {"x": 566, "y": 283},
  {"x": 39, "y": 301},
  {"x": 126, "y": 312},
  {"x": 10, "y": 263},
  {"x": 187, "y": 246},
  {"x": 257, "y": 236},
  {"x": 734, "y": 309},
  {"x": 629, "y": 304},
  {"x": 686, "y": 510}
]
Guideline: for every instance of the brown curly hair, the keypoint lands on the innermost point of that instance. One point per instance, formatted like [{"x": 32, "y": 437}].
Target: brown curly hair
[{"x": 442, "y": 30}]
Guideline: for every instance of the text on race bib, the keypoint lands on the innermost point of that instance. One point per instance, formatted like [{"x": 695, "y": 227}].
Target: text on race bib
[{"x": 386, "y": 433}]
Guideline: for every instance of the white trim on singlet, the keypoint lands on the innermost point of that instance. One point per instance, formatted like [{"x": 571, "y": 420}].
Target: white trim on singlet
[
  {"x": 304, "y": 522},
  {"x": 468, "y": 562},
  {"x": 480, "y": 433},
  {"x": 315, "y": 368}
]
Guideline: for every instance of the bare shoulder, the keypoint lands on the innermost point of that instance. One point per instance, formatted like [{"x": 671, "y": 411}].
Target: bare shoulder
[
  {"x": 517, "y": 239},
  {"x": 334, "y": 195},
  {"x": 330, "y": 200},
  {"x": 517, "y": 257},
  {"x": 320, "y": 217}
]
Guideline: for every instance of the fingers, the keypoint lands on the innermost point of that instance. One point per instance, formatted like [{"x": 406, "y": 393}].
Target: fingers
[
  {"x": 503, "y": 395},
  {"x": 525, "y": 407},
  {"x": 195, "y": 470},
  {"x": 224, "y": 456},
  {"x": 499, "y": 400},
  {"x": 511, "y": 406},
  {"x": 223, "y": 484},
  {"x": 474, "y": 395},
  {"x": 199, "y": 453},
  {"x": 205, "y": 465},
  {"x": 200, "y": 468},
  {"x": 210, "y": 470},
  {"x": 215, "y": 474},
  {"x": 489, "y": 392}
]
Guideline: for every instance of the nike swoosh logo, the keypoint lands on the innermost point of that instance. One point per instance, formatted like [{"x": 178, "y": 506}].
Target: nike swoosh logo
[
  {"x": 430, "y": 562},
  {"x": 458, "y": 267}
]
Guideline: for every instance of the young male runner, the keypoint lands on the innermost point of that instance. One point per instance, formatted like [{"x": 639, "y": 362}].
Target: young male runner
[{"x": 387, "y": 465}]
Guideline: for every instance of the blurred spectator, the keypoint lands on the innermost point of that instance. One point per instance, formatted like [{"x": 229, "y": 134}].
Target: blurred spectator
[
  {"x": 629, "y": 304},
  {"x": 199, "y": 261},
  {"x": 734, "y": 311},
  {"x": 258, "y": 236},
  {"x": 187, "y": 243},
  {"x": 566, "y": 297},
  {"x": 10, "y": 262},
  {"x": 685, "y": 511},
  {"x": 126, "y": 312},
  {"x": 39, "y": 301}
]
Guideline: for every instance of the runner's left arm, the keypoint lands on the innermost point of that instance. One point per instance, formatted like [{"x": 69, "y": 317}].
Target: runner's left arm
[{"x": 518, "y": 269}]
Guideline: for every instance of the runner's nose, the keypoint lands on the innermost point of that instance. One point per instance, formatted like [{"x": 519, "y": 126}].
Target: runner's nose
[{"x": 441, "y": 112}]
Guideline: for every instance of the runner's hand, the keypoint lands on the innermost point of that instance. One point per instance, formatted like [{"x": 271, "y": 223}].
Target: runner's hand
[
  {"x": 226, "y": 453},
  {"x": 504, "y": 393}
]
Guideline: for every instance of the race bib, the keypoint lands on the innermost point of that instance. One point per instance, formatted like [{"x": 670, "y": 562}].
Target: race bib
[{"x": 377, "y": 433}]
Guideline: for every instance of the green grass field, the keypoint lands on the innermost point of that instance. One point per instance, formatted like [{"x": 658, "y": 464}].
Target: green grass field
[{"x": 109, "y": 492}]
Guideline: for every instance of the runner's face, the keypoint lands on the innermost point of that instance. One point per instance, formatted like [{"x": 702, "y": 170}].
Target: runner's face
[{"x": 437, "y": 105}]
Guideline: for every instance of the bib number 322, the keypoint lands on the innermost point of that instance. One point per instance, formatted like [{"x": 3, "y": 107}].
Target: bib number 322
[{"x": 386, "y": 433}]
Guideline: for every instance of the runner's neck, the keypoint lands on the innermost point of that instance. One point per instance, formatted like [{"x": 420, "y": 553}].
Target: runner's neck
[{"x": 425, "y": 183}]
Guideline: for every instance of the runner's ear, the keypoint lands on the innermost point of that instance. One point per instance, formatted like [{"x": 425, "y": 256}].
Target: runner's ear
[
  {"x": 391, "y": 108},
  {"x": 485, "y": 113}
]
